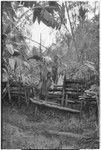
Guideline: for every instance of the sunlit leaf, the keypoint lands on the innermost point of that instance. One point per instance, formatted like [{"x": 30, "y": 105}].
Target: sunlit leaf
[
  {"x": 10, "y": 48},
  {"x": 12, "y": 63},
  {"x": 26, "y": 64}
]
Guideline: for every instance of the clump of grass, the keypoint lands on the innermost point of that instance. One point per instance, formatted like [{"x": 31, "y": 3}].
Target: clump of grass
[
  {"x": 76, "y": 126},
  {"x": 89, "y": 124},
  {"x": 89, "y": 141},
  {"x": 90, "y": 138}
]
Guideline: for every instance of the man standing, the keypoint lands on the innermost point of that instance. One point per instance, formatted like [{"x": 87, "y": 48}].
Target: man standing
[{"x": 55, "y": 69}]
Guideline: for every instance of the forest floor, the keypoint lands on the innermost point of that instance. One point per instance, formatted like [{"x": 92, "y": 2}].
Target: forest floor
[{"x": 48, "y": 129}]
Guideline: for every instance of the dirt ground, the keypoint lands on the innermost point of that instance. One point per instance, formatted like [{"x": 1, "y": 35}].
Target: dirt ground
[{"x": 48, "y": 129}]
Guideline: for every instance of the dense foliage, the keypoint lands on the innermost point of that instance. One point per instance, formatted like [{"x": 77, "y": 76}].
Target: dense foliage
[{"x": 77, "y": 51}]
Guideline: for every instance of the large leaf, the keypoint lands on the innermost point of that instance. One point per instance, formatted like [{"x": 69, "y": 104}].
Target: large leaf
[
  {"x": 46, "y": 16},
  {"x": 37, "y": 14},
  {"x": 49, "y": 20}
]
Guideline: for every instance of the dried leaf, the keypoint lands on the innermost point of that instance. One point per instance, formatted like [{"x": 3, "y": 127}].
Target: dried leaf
[{"x": 37, "y": 14}]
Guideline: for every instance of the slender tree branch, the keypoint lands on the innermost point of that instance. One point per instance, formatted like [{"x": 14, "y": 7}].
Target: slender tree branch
[{"x": 35, "y": 42}]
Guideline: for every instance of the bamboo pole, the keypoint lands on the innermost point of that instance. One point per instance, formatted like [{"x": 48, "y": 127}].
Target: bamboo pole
[
  {"x": 40, "y": 55},
  {"x": 73, "y": 36}
]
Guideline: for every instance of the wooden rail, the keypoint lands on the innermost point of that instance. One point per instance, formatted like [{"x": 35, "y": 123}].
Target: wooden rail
[{"x": 53, "y": 105}]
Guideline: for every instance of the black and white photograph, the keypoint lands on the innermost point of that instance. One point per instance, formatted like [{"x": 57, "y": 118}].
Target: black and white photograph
[{"x": 50, "y": 75}]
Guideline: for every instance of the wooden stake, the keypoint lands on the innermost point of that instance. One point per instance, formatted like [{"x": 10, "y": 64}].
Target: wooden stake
[
  {"x": 8, "y": 89},
  {"x": 36, "y": 108}
]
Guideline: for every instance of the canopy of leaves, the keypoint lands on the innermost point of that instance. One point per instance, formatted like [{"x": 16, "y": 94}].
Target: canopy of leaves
[{"x": 50, "y": 13}]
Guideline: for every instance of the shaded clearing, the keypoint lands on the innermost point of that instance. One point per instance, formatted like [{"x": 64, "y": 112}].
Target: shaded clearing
[{"x": 49, "y": 129}]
